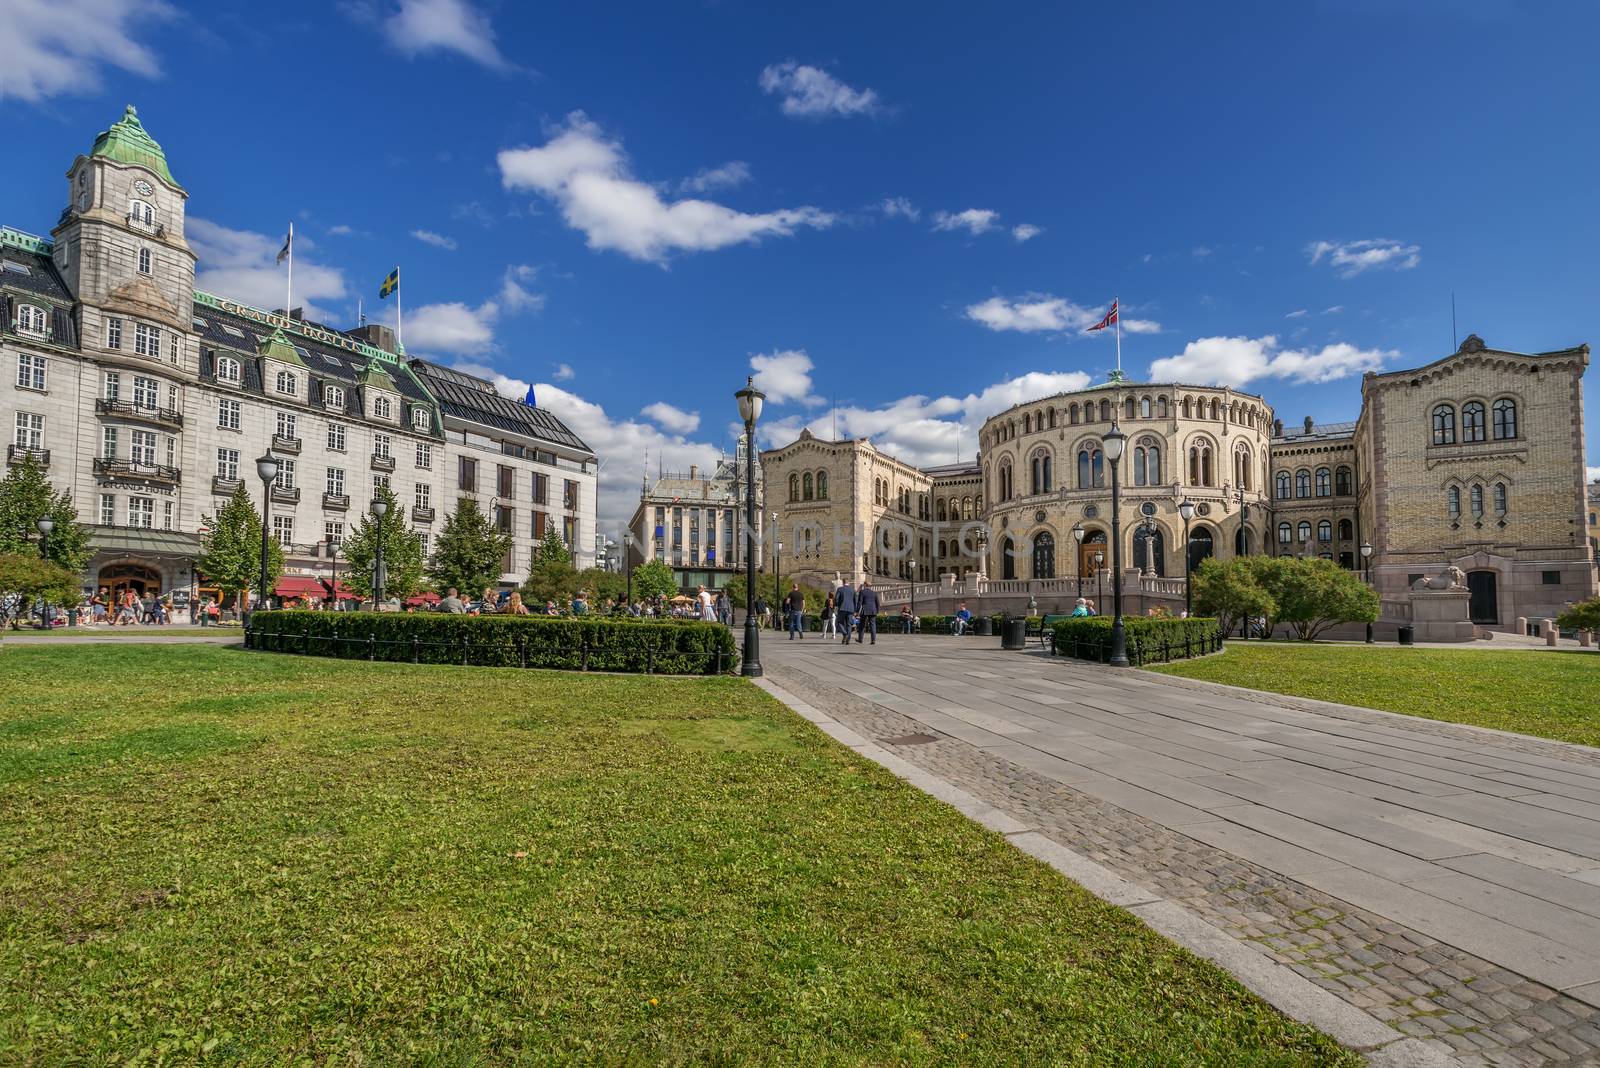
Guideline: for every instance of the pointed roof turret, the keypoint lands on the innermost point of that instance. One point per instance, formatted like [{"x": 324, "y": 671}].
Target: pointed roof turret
[
  {"x": 126, "y": 141},
  {"x": 278, "y": 347},
  {"x": 374, "y": 374}
]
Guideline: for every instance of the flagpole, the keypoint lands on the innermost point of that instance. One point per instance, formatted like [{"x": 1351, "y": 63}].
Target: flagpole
[
  {"x": 399, "y": 315},
  {"x": 1116, "y": 302},
  {"x": 288, "y": 292}
]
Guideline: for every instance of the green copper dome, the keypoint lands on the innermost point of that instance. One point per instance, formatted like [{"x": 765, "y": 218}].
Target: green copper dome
[
  {"x": 277, "y": 346},
  {"x": 127, "y": 142},
  {"x": 374, "y": 374}
]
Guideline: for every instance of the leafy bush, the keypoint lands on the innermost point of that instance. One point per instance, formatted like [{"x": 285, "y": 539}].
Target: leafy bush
[
  {"x": 1582, "y": 616},
  {"x": 1231, "y": 592},
  {"x": 587, "y": 643},
  {"x": 1149, "y": 640}
]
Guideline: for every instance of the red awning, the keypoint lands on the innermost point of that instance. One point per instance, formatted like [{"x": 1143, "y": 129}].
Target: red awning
[
  {"x": 290, "y": 586},
  {"x": 422, "y": 598}
]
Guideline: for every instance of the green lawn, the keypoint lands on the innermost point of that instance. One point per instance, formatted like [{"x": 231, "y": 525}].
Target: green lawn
[
  {"x": 263, "y": 858},
  {"x": 173, "y": 631},
  {"x": 1550, "y": 694}
]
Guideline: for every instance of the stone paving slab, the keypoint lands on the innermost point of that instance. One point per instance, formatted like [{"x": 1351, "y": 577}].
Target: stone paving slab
[{"x": 1433, "y": 876}]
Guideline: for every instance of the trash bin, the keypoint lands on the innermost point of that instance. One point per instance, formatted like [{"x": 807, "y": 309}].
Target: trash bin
[
  {"x": 72, "y": 616},
  {"x": 1408, "y": 635},
  {"x": 1014, "y": 633},
  {"x": 985, "y": 625}
]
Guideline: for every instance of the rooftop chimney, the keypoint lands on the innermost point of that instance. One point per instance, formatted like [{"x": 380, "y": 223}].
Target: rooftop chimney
[
  {"x": 1309, "y": 424},
  {"x": 378, "y": 336},
  {"x": 1277, "y": 428},
  {"x": 694, "y": 471}
]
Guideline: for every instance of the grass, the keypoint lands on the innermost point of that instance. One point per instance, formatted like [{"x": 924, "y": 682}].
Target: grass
[
  {"x": 132, "y": 633},
  {"x": 1549, "y": 694},
  {"x": 210, "y": 853}
]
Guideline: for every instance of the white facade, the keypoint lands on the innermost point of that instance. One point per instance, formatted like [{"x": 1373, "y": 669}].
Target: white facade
[{"x": 150, "y": 402}]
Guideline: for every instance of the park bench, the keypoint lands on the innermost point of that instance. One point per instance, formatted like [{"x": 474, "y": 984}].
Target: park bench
[{"x": 1045, "y": 630}]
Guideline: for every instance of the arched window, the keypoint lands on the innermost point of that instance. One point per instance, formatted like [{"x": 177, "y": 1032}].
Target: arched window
[
  {"x": 1285, "y": 534},
  {"x": 420, "y": 418},
  {"x": 1052, "y": 418},
  {"x": 1324, "y": 482},
  {"x": 1072, "y": 413},
  {"x": 1144, "y": 407},
  {"x": 333, "y": 397},
  {"x": 805, "y": 486},
  {"x": 794, "y": 487},
  {"x": 1346, "y": 531},
  {"x": 1005, "y": 482},
  {"x": 1505, "y": 419},
  {"x": 1161, "y": 407},
  {"x": 1241, "y": 468},
  {"x": 1105, "y": 411},
  {"x": 1472, "y": 428},
  {"x": 1302, "y": 483},
  {"x": 1188, "y": 410},
  {"x": 1027, "y": 424},
  {"x": 939, "y": 513},
  {"x": 1138, "y": 466},
  {"x": 227, "y": 369},
  {"x": 1325, "y": 531},
  {"x": 1091, "y": 468},
  {"x": 144, "y": 261},
  {"x": 1444, "y": 425},
  {"x": 30, "y": 319},
  {"x": 141, "y": 214},
  {"x": 1341, "y": 482},
  {"x": 1200, "y": 464},
  {"x": 822, "y": 485},
  {"x": 1044, "y": 555},
  {"x": 381, "y": 407},
  {"x": 1215, "y": 408},
  {"x": 1477, "y": 501},
  {"x": 1041, "y": 473},
  {"x": 1304, "y": 530},
  {"x": 1128, "y": 409},
  {"x": 1152, "y": 463},
  {"x": 1500, "y": 498},
  {"x": 1149, "y": 553},
  {"x": 1283, "y": 485},
  {"x": 1453, "y": 497},
  {"x": 1008, "y": 558},
  {"x": 285, "y": 383}
]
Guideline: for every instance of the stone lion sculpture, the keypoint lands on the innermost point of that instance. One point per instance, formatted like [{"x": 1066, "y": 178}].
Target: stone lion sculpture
[{"x": 1451, "y": 578}]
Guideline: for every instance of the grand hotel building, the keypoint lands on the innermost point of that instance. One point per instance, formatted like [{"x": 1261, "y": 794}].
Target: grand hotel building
[
  {"x": 149, "y": 401},
  {"x": 1475, "y": 460}
]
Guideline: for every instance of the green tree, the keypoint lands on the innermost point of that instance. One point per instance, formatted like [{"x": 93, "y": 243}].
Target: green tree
[
  {"x": 402, "y": 552},
  {"x": 653, "y": 578},
  {"x": 1582, "y": 616},
  {"x": 26, "y": 497},
  {"x": 470, "y": 552},
  {"x": 230, "y": 548},
  {"x": 31, "y": 579},
  {"x": 552, "y": 577},
  {"x": 1229, "y": 591},
  {"x": 603, "y": 584},
  {"x": 1313, "y": 595}
]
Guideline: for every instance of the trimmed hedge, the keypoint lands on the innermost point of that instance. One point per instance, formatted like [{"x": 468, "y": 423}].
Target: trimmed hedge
[
  {"x": 584, "y": 643},
  {"x": 1149, "y": 641}
]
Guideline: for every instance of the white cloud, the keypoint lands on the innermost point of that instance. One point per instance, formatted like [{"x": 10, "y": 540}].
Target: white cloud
[
  {"x": 242, "y": 265},
  {"x": 1236, "y": 361},
  {"x": 340, "y": 231},
  {"x": 1026, "y": 232},
  {"x": 58, "y": 47},
  {"x": 428, "y": 237},
  {"x": 1200, "y": 252},
  {"x": 459, "y": 328},
  {"x": 1591, "y": 474},
  {"x": 670, "y": 418},
  {"x": 1350, "y": 258},
  {"x": 784, "y": 376},
  {"x": 420, "y": 26},
  {"x": 1042, "y": 313},
  {"x": 811, "y": 93},
  {"x": 974, "y": 220},
  {"x": 708, "y": 179},
  {"x": 1298, "y": 313},
  {"x": 899, "y": 207},
  {"x": 587, "y": 175},
  {"x": 1335, "y": 310},
  {"x": 564, "y": 373}
]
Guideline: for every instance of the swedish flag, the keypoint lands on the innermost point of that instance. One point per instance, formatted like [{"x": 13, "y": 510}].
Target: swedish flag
[{"x": 391, "y": 284}]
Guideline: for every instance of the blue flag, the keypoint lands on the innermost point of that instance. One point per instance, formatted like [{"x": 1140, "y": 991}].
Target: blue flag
[{"x": 528, "y": 400}]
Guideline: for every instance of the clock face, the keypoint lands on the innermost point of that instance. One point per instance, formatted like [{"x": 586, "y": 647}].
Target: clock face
[{"x": 143, "y": 188}]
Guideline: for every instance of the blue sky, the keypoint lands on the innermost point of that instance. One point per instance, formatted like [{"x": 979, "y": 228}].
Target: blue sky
[{"x": 907, "y": 212}]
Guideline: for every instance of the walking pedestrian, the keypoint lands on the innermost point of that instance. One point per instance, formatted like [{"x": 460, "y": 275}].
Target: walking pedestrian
[
  {"x": 845, "y": 610},
  {"x": 827, "y": 616},
  {"x": 867, "y": 612},
  {"x": 795, "y": 605}
]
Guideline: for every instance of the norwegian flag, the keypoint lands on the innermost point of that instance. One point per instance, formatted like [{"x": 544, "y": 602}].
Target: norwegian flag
[{"x": 1111, "y": 317}]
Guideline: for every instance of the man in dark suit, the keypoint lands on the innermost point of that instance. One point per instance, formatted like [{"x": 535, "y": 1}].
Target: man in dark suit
[
  {"x": 867, "y": 610},
  {"x": 844, "y": 603}
]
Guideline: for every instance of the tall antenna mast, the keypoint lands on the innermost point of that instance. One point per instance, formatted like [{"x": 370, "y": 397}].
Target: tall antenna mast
[{"x": 1454, "y": 343}]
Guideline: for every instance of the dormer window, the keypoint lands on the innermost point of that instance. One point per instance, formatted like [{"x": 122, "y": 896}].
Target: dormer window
[
  {"x": 144, "y": 261},
  {"x": 31, "y": 320},
  {"x": 421, "y": 419},
  {"x": 333, "y": 396},
  {"x": 381, "y": 408},
  {"x": 227, "y": 369},
  {"x": 285, "y": 383},
  {"x": 141, "y": 215}
]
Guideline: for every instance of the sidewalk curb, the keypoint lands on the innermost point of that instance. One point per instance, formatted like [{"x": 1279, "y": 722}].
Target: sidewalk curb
[{"x": 1280, "y": 986}]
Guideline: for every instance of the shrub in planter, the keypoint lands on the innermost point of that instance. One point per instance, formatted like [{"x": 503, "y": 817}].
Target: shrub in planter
[
  {"x": 1149, "y": 640},
  {"x": 584, "y": 643}
]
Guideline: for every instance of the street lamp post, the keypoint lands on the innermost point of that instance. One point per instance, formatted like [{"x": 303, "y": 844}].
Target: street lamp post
[
  {"x": 1077, "y": 535},
  {"x": 333, "y": 567},
  {"x": 913, "y": 589},
  {"x": 1366, "y": 567},
  {"x": 750, "y": 399},
  {"x": 267, "y": 469},
  {"x": 1111, "y": 444},
  {"x": 1244, "y": 523},
  {"x": 380, "y": 508},
  {"x": 1186, "y": 509},
  {"x": 46, "y": 525},
  {"x": 1099, "y": 592},
  {"x": 777, "y": 578},
  {"x": 627, "y": 554}
]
